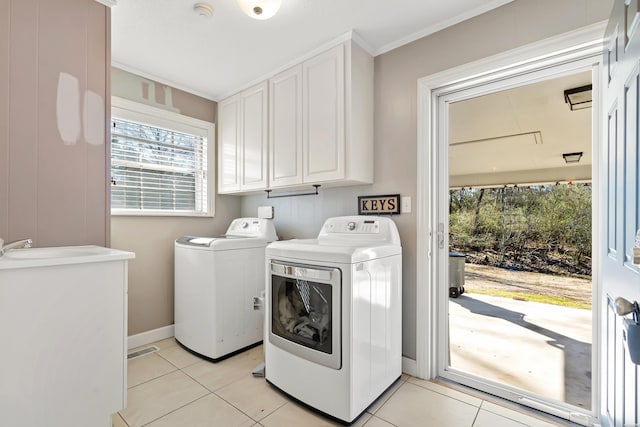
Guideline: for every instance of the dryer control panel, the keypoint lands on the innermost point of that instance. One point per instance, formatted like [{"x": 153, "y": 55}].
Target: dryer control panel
[
  {"x": 364, "y": 226},
  {"x": 381, "y": 230}
]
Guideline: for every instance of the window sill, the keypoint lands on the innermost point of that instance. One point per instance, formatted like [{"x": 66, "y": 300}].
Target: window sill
[{"x": 151, "y": 213}]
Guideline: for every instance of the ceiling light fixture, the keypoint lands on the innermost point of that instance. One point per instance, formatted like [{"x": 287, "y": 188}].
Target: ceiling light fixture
[
  {"x": 259, "y": 9},
  {"x": 572, "y": 157},
  {"x": 578, "y": 98},
  {"x": 203, "y": 9}
]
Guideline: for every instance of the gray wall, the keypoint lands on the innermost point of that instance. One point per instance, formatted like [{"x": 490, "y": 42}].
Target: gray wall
[
  {"x": 151, "y": 238},
  {"x": 50, "y": 191},
  {"x": 395, "y": 133}
]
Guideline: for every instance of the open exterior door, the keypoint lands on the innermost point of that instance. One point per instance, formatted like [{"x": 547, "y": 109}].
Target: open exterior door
[{"x": 621, "y": 213}]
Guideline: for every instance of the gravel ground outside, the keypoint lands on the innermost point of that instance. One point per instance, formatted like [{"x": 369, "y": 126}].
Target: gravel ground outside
[{"x": 560, "y": 290}]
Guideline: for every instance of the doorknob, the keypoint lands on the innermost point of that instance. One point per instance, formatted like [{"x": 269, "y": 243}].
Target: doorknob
[{"x": 624, "y": 307}]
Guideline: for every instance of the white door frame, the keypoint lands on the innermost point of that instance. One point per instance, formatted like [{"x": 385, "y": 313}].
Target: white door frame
[{"x": 576, "y": 50}]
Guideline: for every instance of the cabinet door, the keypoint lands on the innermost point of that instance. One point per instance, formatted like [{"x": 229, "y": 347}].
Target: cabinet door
[
  {"x": 323, "y": 120},
  {"x": 229, "y": 145},
  {"x": 253, "y": 157},
  {"x": 285, "y": 141}
]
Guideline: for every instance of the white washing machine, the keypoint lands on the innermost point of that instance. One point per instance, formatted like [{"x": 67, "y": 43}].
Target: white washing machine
[
  {"x": 334, "y": 313},
  {"x": 217, "y": 281}
]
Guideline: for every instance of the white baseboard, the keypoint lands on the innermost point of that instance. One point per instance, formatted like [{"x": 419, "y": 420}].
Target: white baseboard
[
  {"x": 148, "y": 337},
  {"x": 409, "y": 366}
]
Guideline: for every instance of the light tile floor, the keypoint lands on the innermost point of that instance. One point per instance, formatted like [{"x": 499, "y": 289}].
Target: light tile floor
[{"x": 173, "y": 388}]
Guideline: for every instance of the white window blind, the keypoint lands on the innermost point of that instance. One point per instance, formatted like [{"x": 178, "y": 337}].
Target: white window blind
[{"x": 156, "y": 170}]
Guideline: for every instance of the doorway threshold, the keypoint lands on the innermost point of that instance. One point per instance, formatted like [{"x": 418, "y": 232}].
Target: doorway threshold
[{"x": 505, "y": 403}]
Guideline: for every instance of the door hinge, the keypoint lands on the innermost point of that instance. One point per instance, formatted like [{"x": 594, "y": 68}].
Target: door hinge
[{"x": 441, "y": 236}]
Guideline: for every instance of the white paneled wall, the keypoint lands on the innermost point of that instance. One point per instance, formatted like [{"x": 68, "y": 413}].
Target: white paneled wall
[{"x": 54, "y": 83}]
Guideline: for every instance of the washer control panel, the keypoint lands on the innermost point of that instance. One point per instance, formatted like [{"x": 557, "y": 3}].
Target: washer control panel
[
  {"x": 246, "y": 225},
  {"x": 252, "y": 227}
]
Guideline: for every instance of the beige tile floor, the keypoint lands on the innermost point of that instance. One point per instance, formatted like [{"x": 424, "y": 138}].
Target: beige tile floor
[{"x": 173, "y": 388}]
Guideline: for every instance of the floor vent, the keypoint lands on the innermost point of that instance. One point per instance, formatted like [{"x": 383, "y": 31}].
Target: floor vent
[{"x": 142, "y": 352}]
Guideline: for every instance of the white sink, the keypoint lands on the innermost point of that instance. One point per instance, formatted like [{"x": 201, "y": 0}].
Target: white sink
[
  {"x": 61, "y": 252},
  {"x": 38, "y": 257}
]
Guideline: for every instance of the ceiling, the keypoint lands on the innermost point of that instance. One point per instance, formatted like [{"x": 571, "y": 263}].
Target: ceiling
[
  {"x": 518, "y": 136},
  {"x": 214, "y": 57},
  {"x": 510, "y": 137}
]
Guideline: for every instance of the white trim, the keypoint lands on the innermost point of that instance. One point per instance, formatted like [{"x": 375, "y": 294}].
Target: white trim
[
  {"x": 108, "y": 3},
  {"x": 409, "y": 366},
  {"x": 580, "y": 49},
  {"x": 441, "y": 26},
  {"x": 149, "y": 337},
  {"x": 572, "y": 42},
  {"x": 597, "y": 233},
  {"x": 425, "y": 318},
  {"x": 356, "y": 37}
]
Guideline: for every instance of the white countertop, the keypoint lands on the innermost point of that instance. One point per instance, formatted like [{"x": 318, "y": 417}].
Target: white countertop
[{"x": 63, "y": 255}]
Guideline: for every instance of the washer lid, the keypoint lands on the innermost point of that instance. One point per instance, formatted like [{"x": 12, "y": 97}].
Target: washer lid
[
  {"x": 221, "y": 242},
  {"x": 197, "y": 241}
]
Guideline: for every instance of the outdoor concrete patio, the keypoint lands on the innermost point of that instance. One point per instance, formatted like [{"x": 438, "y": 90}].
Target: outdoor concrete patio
[{"x": 542, "y": 348}]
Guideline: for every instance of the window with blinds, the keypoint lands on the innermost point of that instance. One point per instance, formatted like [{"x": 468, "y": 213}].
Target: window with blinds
[{"x": 157, "y": 169}]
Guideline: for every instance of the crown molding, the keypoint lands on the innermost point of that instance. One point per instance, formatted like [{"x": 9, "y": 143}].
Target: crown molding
[
  {"x": 442, "y": 25},
  {"x": 108, "y": 3}
]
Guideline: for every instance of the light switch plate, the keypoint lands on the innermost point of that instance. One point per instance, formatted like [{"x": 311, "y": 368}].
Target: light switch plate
[{"x": 405, "y": 204}]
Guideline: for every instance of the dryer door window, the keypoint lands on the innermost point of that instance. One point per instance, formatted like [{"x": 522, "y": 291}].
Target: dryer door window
[{"x": 305, "y": 311}]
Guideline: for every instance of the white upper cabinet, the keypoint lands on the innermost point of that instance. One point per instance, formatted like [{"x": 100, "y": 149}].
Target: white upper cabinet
[
  {"x": 229, "y": 145},
  {"x": 254, "y": 155},
  {"x": 285, "y": 130},
  {"x": 321, "y": 120},
  {"x": 320, "y": 126},
  {"x": 323, "y": 131},
  {"x": 242, "y": 141}
]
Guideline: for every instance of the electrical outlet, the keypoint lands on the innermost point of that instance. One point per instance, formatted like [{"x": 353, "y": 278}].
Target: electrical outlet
[{"x": 405, "y": 206}]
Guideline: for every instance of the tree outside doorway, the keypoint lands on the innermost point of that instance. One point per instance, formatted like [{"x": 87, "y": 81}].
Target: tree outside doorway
[{"x": 542, "y": 232}]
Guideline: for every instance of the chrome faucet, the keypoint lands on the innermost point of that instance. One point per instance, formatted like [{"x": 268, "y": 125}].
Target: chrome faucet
[{"x": 26, "y": 243}]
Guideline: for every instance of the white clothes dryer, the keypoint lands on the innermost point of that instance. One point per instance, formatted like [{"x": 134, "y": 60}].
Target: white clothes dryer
[
  {"x": 218, "y": 281},
  {"x": 334, "y": 314}
]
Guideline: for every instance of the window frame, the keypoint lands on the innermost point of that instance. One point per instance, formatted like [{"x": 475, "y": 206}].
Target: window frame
[{"x": 145, "y": 114}]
